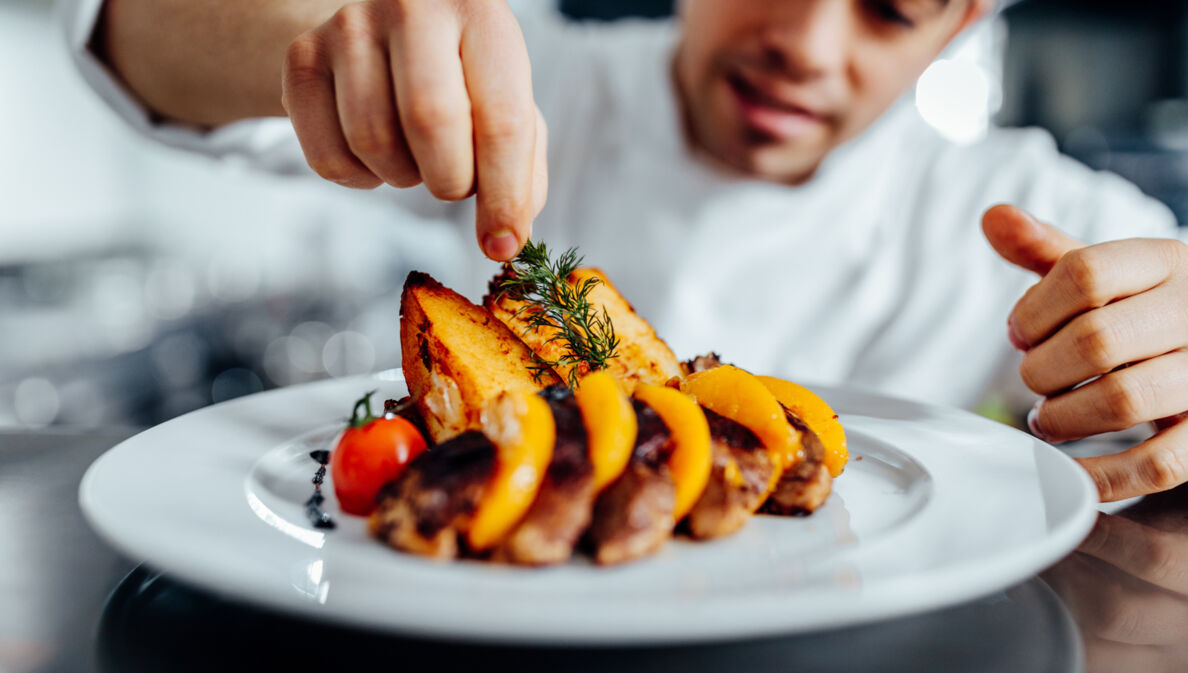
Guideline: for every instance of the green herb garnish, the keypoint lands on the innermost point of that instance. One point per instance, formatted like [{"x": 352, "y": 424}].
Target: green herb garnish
[{"x": 552, "y": 303}]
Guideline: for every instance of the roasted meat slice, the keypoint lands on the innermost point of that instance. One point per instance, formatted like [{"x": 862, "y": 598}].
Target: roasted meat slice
[
  {"x": 742, "y": 470},
  {"x": 701, "y": 363},
  {"x": 633, "y": 516},
  {"x": 424, "y": 509},
  {"x": 805, "y": 487},
  {"x": 563, "y": 507}
]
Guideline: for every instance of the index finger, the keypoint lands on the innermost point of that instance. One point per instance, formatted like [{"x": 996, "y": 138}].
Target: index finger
[
  {"x": 499, "y": 80},
  {"x": 1090, "y": 278}
]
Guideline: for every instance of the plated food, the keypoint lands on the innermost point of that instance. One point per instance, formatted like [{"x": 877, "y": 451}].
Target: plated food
[{"x": 559, "y": 422}]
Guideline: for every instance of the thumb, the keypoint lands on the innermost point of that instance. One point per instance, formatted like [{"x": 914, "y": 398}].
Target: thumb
[{"x": 1024, "y": 241}]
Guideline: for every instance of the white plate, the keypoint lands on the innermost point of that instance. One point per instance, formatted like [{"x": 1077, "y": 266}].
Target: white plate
[{"x": 937, "y": 506}]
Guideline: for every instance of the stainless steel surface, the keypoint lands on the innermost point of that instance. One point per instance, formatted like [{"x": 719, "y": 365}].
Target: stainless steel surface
[
  {"x": 55, "y": 574},
  {"x": 73, "y": 605}
]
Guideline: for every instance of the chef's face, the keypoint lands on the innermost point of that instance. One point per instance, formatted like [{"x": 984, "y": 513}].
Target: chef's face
[{"x": 770, "y": 87}]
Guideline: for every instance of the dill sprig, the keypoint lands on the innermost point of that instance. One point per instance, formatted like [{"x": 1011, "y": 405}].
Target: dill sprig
[{"x": 551, "y": 303}]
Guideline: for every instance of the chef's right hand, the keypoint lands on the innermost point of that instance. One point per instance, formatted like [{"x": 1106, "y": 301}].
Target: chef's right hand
[{"x": 435, "y": 91}]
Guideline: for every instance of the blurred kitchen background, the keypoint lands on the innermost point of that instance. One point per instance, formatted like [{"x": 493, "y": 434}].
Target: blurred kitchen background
[{"x": 138, "y": 283}]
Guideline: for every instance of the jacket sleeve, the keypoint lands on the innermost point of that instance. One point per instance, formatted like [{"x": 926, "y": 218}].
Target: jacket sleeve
[{"x": 268, "y": 144}]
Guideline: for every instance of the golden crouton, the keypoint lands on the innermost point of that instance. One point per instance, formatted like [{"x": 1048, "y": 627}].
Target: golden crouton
[
  {"x": 642, "y": 357},
  {"x": 457, "y": 356}
]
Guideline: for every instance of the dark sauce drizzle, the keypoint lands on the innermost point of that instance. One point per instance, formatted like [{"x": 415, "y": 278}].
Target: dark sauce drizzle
[{"x": 313, "y": 507}]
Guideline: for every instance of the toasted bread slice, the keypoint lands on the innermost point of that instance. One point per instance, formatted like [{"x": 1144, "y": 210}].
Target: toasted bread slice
[
  {"x": 457, "y": 357},
  {"x": 642, "y": 357}
]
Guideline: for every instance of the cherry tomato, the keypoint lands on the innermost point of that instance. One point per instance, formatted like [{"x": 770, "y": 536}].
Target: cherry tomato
[{"x": 371, "y": 452}]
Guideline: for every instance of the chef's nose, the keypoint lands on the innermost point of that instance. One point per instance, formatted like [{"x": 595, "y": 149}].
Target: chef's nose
[{"x": 807, "y": 39}]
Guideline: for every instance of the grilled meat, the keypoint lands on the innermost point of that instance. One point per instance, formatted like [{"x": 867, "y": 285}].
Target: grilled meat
[
  {"x": 800, "y": 491},
  {"x": 563, "y": 507},
  {"x": 804, "y": 488},
  {"x": 424, "y": 509},
  {"x": 701, "y": 363},
  {"x": 633, "y": 516},
  {"x": 741, "y": 471}
]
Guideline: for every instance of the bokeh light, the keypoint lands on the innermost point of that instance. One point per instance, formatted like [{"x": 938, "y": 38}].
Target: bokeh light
[
  {"x": 36, "y": 402},
  {"x": 235, "y": 382},
  {"x": 954, "y": 97}
]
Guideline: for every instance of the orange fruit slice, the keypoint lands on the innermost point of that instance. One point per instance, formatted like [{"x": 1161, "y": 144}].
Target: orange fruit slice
[
  {"x": 520, "y": 425},
  {"x": 816, "y": 414},
  {"x": 610, "y": 425},
  {"x": 691, "y": 459},
  {"x": 741, "y": 397}
]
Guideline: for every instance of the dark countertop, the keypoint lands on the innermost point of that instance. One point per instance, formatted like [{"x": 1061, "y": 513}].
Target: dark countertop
[{"x": 73, "y": 605}]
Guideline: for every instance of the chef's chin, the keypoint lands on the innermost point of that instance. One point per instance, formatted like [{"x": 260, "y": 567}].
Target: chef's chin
[
  {"x": 791, "y": 163},
  {"x": 754, "y": 143}
]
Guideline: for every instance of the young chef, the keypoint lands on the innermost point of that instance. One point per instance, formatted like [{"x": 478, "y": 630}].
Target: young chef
[{"x": 749, "y": 175}]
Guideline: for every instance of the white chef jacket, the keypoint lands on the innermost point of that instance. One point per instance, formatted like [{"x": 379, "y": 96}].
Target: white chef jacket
[{"x": 873, "y": 274}]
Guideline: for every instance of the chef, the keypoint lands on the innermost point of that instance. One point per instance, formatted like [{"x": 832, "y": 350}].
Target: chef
[{"x": 749, "y": 175}]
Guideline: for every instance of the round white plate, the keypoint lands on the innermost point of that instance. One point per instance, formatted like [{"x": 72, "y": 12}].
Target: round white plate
[{"x": 936, "y": 506}]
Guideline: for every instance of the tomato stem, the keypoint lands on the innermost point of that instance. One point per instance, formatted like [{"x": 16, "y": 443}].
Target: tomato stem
[{"x": 359, "y": 420}]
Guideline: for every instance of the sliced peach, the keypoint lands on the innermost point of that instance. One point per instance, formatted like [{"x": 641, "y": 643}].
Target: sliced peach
[
  {"x": 520, "y": 425},
  {"x": 610, "y": 425},
  {"x": 691, "y": 459},
  {"x": 741, "y": 397},
  {"x": 816, "y": 414}
]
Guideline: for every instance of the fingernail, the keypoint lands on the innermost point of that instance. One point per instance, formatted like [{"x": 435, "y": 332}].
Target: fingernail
[
  {"x": 1013, "y": 335},
  {"x": 501, "y": 245},
  {"x": 1033, "y": 420}
]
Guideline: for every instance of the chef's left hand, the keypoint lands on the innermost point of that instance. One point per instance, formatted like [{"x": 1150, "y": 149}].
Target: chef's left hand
[{"x": 1113, "y": 317}]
